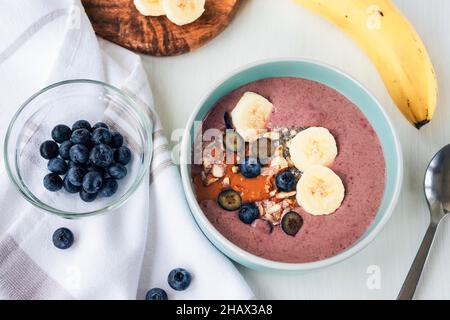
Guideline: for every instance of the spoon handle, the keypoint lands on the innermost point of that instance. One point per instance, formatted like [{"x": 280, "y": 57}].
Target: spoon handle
[{"x": 413, "y": 277}]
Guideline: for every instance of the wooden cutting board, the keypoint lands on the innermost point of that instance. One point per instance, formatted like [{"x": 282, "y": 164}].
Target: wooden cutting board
[{"x": 120, "y": 22}]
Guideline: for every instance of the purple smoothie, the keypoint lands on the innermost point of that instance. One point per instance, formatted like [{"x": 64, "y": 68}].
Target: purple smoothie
[{"x": 360, "y": 164}]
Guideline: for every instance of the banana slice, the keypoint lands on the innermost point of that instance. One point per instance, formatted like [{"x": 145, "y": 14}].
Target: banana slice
[
  {"x": 250, "y": 115},
  {"x": 313, "y": 146},
  {"x": 182, "y": 12},
  {"x": 320, "y": 191},
  {"x": 150, "y": 7}
]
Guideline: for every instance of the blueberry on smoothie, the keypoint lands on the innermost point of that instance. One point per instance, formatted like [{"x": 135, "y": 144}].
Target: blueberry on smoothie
[
  {"x": 49, "y": 149},
  {"x": 80, "y": 136},
  {"x": 63, "y": 238},
  {"x": 156, "y": 294},
  {"x": 53, "y": 182},
  {"x": 79, "y": 154},
  {"x": 248, "y": 213},
  {"x": 109, "y": 188},
  {"x": 87, "y": 197},
  {"x": 57, "y": 165},
  {"x": 70, "y": 188},
  {"x": 92, "y": 182},
  {"x": 75, "y": 175},
  {"x": 81, "y": 124},
  {"x": 179, "y": 279},
  {"x": 229, "y": 200},
  {"x": 116, "y": 140},
  {"x": 122, "y": 155},
  {"x": 286, "y": 181},
  {"x": 64, "y": 149},
  {"x": 101, "y": 155},
  {"x": 250, "y": 168},
  {"x": 99, "y": 125},
  {"x": 61, "y": 133},
  {"x": 291, "y": 223},
  {"x": 101, "y": 136},
  {"x": 117, "y": 171}
]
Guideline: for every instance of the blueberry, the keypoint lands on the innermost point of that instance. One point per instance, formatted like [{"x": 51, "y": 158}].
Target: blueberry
[
  {"x": 92, "y": 182},
  {"x": 179, "y": 279},
  {"x": 109, "y": 188},
  {"x": 87, "y": 197},
  {"x": 101, "y": 155},
  {"x": 291, "y": 223},
  {"x": 57, "y": 165},
  {"x": 80, "y": 136},
  {"x": 49, "y": 149},
  {"x": 156, "y": 294},
  {"x": 81, "y": 124},
  {"x": 99, "y": 125},
  {"x": 64, "y": 149},
  {"x": 61, "y": 133},
  {"x": 100, "y": 170},
  {"x": 63, "y": 238},
  {"x": 286, "y": 181},
  {"x": 79, "y": 154},
  {"x": 116, "y": 140},
  {"x": 75, "y": 176},
  {"x": 248, "y": 213},
  {"x": 117, "y": 171},
  {"x": 250, "y": 168},
  {"x": 122, "y": 155},
  {"x": 229, "y": 200},
  {"x": 53, "y": 182},
  {"x": 70, "y": 188},
  {"x": 101, "y": 135}
]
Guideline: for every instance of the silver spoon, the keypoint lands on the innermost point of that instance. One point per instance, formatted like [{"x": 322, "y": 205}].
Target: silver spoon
[{"x": 437, "y": 192}]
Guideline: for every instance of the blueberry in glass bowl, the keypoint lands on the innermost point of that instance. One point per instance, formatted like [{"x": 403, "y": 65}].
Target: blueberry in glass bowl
[{"x": 70, "y": 117}]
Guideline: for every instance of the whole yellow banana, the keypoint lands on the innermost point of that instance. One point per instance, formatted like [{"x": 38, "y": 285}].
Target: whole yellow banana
[{"x": 394, "y": 47}]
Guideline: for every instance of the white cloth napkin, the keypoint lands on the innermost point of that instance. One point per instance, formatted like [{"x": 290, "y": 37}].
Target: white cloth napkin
[{"x": 115, "y": 256}]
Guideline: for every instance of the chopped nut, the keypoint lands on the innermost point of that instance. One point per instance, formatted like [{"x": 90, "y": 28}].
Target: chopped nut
[
  {"x": 235, "y": 169},
  {"x": 226, "y": 182},
  {"x": 218, "y": 170},
  {"x": 284, "y": 195},
  {"x": 273, "y": 209},
  {"x": 272, "y": 193},
  {"x": 210, "y": 180},
  {"x": 260, "y": 208},
  {"x": 293, "y": 132},
  {"x": 272, "y": 135}
]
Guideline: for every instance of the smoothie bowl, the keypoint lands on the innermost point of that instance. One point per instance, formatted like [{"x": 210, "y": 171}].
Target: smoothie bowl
[{"x": 290, "y": 165}]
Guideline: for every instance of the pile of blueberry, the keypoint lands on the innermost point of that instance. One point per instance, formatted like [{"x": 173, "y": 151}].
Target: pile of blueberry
[
  {"x": 90, "y": 159},
  {"x": 178, "y": 279}
]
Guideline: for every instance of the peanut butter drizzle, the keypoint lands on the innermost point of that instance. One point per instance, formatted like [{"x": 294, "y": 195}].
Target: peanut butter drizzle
[{"x": 251, "y": 190}]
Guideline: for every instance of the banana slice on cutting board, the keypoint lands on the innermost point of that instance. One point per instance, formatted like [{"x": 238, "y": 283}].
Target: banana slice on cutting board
[
  {"x": 320, "y": 191},
  {"x": 250, "y": 115},
  {"x": 150, "y": 7},
  {"x": 313, "y": 146},
  {"x": 183, "y": 12}
]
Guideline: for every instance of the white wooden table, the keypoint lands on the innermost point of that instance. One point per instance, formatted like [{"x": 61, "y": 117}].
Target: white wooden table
[{"x": 278, "y": 28}]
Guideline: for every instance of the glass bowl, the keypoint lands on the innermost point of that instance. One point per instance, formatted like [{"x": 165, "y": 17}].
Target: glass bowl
[{"x": 64, "y": 103}]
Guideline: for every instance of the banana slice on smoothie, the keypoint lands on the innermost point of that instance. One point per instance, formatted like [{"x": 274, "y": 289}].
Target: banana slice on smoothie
[
  {"x": 183, "y": 12},
  {"x": 320, "y": 191},
  {"x": 250, "y": 115},
  {"x": 313, "y": 146},
  {"x": 149, "y": 7}
]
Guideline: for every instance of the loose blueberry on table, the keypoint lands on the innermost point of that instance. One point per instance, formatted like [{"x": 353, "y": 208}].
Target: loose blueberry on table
[
  {"x": 88, "y": 160},
  {"x": 179, "y": 279},
  {"x": 63, "y": 238},
  {"x": 156, "y": 294}
]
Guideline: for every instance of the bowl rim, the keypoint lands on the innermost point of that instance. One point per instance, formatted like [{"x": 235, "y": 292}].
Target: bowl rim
[
  {"x": 147, "y": 126},
  {"x": 251, "y": 260}
]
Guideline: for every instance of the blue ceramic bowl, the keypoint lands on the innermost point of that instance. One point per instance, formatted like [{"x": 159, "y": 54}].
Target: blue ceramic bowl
[{"x": 335, "y": 79}]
